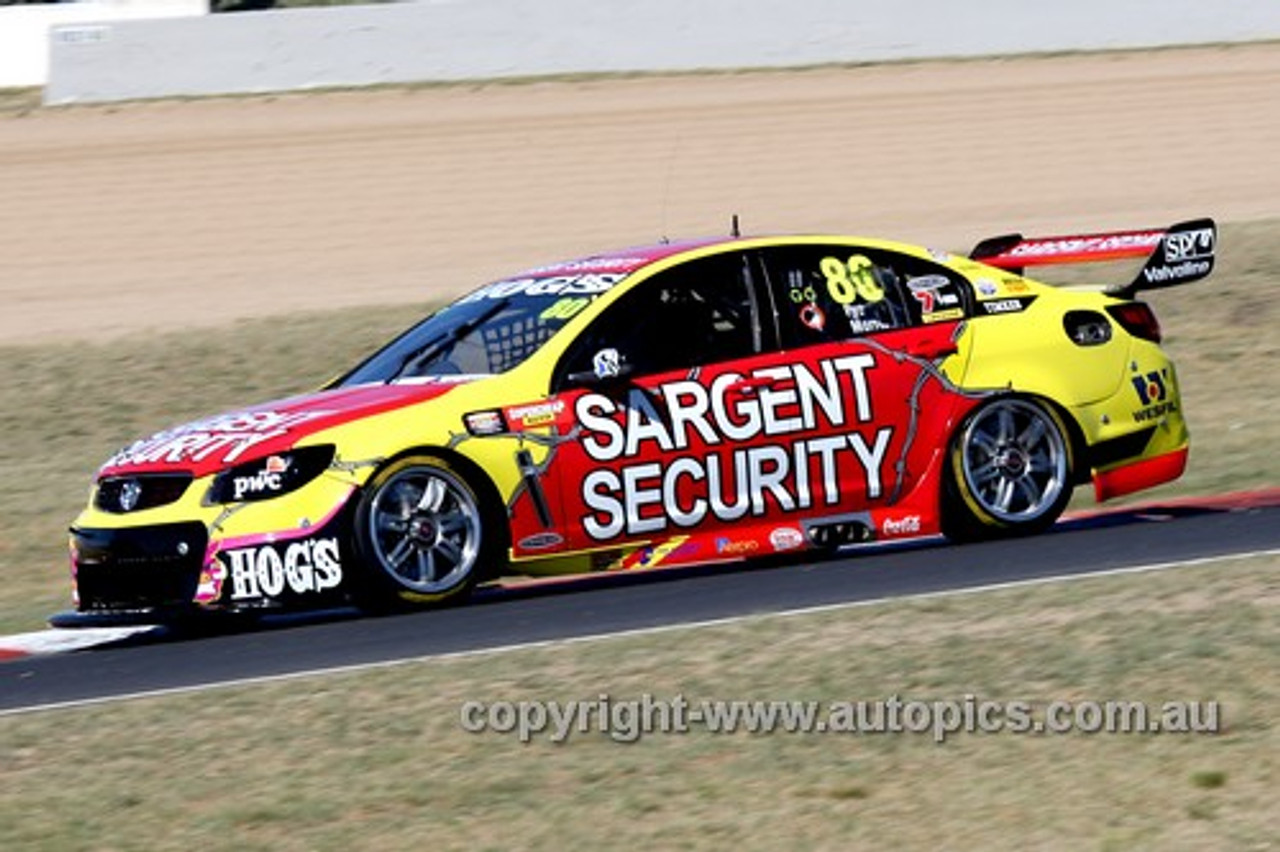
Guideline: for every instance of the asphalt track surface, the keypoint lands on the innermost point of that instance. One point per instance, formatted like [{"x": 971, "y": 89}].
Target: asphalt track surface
[{"x": 595, "y": 606}]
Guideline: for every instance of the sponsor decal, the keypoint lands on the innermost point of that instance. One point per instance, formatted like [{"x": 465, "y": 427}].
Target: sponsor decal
[
  {"x": 813, "y": 316},
  {"x": 1189, "y": 269},
  {"x": 731, "y": 547},
  {"x": 592, "y": 264},
  {"x": 943, "y": 316},
  {"x": 1183, "y": 246},
  {"x": 607, "y": 364},
  {"x": 226, "y": 437},
  {"x": 1153, "y": 391},
  {"x": 737, "y": 476},
  {"x": 1087, "y": 245},
  {"x": 484, "y": 423},
  {"x": 906, "y": 525},
  {"x": 1151, "y": 387},
  {"x": 860, "y": 325},
  {"x": 268, "y": 480},
  {"x": 267, "y": 571},
  {"x": 929, "y": 291},
  {"x": 1006, "y": 306},
  {"x": 987, "y": 287},
  {"x": 212, "y": 577},
  {"x": 588, "y": 284},
  {"x": 650, "y": 556},
  {"x": 536, "y": 414},
  {"x": 786, "y": 538},
  {"x": 540, "y": 541}
]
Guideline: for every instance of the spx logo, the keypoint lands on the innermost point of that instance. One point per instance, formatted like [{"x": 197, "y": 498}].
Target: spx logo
[{"x": 1188, "y": 245}]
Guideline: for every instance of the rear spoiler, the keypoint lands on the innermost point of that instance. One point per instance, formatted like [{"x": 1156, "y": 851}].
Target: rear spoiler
[{"x": 1177, "y": 255}]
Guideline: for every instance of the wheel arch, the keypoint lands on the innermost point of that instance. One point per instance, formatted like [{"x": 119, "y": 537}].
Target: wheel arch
[
  {"x": 1080, "y": 470},
  {"x": 960, "y": 529},
  {"x": 472, "y": 472}
]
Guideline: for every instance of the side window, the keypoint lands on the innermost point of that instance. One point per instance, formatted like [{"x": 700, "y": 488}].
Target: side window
[
  {"x": 834, "y": 292},
  {"x": 697, "y": 313}
]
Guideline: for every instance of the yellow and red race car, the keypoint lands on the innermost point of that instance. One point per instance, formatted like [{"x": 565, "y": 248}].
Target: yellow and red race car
[{"x": 680, "y": 403}]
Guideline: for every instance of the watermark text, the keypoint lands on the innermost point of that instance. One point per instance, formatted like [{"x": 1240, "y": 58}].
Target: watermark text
[{"x": 630, "y": 719}]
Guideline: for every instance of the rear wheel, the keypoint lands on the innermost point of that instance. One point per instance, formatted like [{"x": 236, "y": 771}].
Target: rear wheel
[
  {"x": 424, "y": 534},
  {"x": 1009, "y": 471}
]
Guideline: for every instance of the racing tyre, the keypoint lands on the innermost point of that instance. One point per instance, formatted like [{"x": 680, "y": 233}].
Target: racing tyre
[
  {"x": 1008, "y": 473},
  {"x": 424, "y": 534}
]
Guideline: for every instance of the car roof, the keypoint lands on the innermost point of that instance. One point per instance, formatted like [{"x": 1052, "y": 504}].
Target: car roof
[
  {"x": 623, "y": 261},
  {"x": 628, "y": 260}
]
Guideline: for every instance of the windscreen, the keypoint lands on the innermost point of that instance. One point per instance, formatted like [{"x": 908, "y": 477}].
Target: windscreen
[{"x": 486, "y": 332}]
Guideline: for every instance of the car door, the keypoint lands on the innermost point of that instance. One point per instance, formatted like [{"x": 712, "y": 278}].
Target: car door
[
  {"x": 690, "y": 435},
  {"x": 695, "y": 407}
]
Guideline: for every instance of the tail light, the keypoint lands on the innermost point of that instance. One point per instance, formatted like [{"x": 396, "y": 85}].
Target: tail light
[{"x": 1138, "y": 319}]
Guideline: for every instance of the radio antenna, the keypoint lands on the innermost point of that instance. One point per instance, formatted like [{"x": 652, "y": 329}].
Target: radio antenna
[{"x": 734, "y": 230}]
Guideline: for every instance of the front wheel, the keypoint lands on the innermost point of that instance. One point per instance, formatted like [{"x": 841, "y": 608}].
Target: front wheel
[
  {"x": 1009, "y": 471},
  {"x": 423, "y": 533}
]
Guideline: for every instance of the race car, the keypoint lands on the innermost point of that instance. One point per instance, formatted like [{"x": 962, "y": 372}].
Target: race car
[{"x": 685, "y": 402}]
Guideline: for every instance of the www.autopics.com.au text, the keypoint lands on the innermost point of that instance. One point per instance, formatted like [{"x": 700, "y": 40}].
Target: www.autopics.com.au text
[{"x": 629, "y": 720}]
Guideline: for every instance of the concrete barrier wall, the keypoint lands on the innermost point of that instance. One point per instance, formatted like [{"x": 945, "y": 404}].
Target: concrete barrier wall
[
  {"x": 477, "y": 39},
  {"x": 24, "y": 30}
]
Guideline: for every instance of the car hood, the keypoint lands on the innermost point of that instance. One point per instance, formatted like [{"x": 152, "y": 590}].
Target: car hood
[{"x": 214, "y": 443}]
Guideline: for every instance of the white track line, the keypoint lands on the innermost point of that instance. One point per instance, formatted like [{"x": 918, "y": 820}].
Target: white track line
[{"x": 643, "y": 631}]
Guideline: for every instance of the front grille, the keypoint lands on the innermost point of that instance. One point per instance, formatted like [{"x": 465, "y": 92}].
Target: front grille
[
  {"x": 142, "y": 568},
  {"x": 150, "y": 490}
]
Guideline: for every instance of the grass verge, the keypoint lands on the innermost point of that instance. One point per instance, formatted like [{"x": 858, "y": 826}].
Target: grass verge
[
  {"x": 378, "y": 759},
  {"x": 65, "y": 408}
]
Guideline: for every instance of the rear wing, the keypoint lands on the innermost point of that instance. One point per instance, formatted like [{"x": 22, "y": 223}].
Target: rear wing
[{"x": 1177, "y": 255}]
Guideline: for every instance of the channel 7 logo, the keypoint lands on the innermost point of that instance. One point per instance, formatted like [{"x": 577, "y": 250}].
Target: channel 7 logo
[{"x": 1181, "y": 246}]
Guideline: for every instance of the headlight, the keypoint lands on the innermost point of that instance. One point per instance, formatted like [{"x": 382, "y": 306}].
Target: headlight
[{"x": 265, "y": 478}]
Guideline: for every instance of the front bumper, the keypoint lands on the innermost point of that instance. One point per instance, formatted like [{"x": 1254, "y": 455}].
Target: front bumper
[
  {"x": 188, "y": 558},
  {"x": 144, "y": 569}
]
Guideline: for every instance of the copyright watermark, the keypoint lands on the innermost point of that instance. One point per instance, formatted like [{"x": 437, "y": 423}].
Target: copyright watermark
[{"x": 630, "y": 719}]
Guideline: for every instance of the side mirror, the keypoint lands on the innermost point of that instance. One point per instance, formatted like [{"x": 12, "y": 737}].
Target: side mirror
[{"x": 608, "y": 367}]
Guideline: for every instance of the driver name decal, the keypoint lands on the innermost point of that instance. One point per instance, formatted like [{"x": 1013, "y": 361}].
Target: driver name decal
[{"x": 715, "y": 465}]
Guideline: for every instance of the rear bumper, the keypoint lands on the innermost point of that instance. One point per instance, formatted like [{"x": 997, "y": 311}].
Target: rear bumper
[{"x": 1139, "y": 475}]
